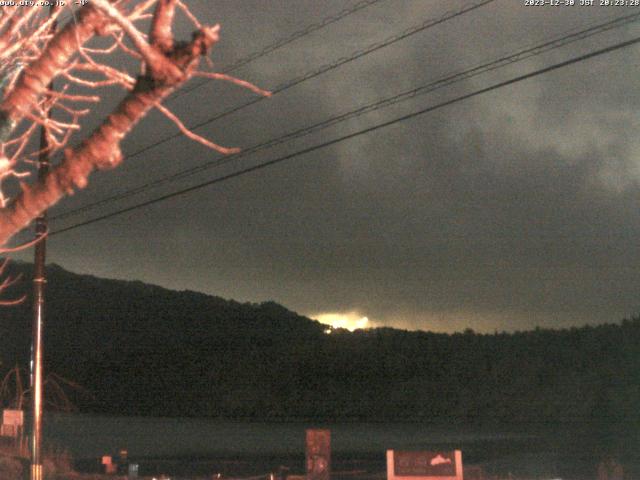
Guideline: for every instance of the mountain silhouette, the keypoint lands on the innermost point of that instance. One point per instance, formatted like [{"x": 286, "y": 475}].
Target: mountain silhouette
[{"x": 146, "y": 350}]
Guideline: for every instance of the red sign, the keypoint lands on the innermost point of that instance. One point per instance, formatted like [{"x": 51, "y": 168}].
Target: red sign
[{"x": 13, "y": 417}]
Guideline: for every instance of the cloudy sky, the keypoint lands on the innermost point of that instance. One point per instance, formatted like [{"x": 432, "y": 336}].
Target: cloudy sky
[{"x": 514, "y": 209}]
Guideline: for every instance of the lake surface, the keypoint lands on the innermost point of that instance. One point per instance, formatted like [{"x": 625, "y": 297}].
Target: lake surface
[{"x": 197, "y": 447}]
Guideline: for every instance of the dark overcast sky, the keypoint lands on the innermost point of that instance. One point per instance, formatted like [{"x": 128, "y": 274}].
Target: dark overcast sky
[{"x": 511, "y": 210}]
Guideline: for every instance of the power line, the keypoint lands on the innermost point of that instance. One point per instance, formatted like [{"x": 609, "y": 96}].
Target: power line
[
  {"x": 447, "y": 80},
  {"x": 284, "y": 41},
  {"x": 365, "y": 131},
  {"x": 449, "y": 15},
  {"x": 325, "y": 22}
]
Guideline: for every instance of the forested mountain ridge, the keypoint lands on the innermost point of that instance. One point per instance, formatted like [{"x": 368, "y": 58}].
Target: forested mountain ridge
[{"x": 142, "y": 349}]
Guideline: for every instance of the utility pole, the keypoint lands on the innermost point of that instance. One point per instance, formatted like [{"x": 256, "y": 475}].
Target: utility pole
[{"x": 39, "y": 280}]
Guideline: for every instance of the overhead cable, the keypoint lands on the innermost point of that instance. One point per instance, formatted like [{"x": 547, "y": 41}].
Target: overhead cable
[
  {"x": 358, "y": 133},
  {"x": 430, "y": 23},
  {"x": 447, "y": 80},
  {"x": 284, "y": 41}
]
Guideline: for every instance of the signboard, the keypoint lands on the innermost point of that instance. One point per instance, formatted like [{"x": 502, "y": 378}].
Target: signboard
[
  {"x": 13, "y": 417},
  {"x": 109, "y": 466},
  {"x": 8, "y": 431},
  {"x": 318, "y": 454},
  {"x": 424, "y": 465}
]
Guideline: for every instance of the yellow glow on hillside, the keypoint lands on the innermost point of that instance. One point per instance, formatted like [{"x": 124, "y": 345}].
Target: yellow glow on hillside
[{"x": 350, "y": 320}]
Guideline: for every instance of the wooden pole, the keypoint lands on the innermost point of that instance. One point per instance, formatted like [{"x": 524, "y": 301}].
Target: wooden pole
[{"x": 39, "y": 281}]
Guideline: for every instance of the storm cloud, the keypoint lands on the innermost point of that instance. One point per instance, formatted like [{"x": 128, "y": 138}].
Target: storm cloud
[{"x": 510, "y": 210}]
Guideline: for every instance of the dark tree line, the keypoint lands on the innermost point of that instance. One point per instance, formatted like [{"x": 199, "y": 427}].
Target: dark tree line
[{"x": 146, "y": 350}]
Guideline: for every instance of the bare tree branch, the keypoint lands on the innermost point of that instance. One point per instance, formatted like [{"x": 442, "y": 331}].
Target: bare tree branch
[
  {"x": 25, "y": 95},
  {"x": 101, "y": 150},
  {"x": 36, "y": 77}
]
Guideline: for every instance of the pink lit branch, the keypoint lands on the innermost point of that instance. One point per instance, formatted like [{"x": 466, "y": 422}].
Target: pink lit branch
[{"x": 65, "y": 56}]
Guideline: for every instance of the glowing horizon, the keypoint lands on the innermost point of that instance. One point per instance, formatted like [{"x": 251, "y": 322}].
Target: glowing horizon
[{"x": 350, "y": 320}]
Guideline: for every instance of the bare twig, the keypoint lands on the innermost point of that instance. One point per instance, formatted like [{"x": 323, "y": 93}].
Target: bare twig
[{"x": 194, "y": 136}]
